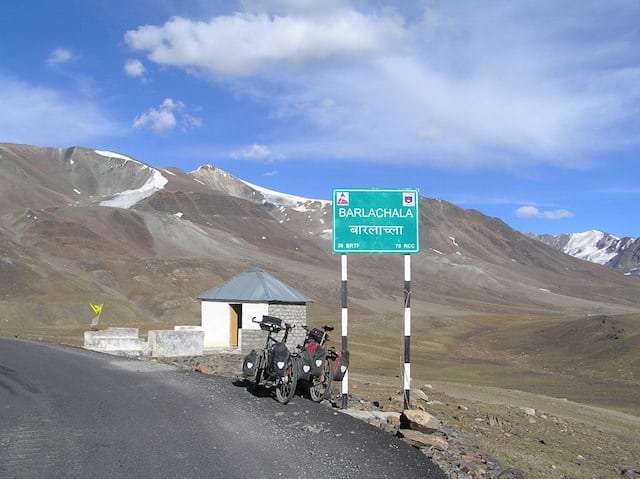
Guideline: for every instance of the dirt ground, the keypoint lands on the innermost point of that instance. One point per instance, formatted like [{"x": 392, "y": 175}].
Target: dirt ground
[
  {"x": 580, "y": 374},
  {"x": 561, "y": 439}
]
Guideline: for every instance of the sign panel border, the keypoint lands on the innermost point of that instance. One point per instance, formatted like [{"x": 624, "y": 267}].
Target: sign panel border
[{"x": 384, "y": 190}]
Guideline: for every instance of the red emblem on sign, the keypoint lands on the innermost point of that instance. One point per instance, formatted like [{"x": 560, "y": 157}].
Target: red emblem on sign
[{"x": 408, "y": 199}]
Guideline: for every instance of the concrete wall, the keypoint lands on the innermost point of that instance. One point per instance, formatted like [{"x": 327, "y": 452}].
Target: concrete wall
[
  {"x": 294, "y": 314},
  {"x": 91, "y": 336},
  {"x": 188, "y": 328},
  {"x": 115, "y": 341},
  {"x": 215, "y": 323},
  {"x": 125, "y": 346},
  {"x": 167, "y": 343},
  {"x": 249, "y": 310}
]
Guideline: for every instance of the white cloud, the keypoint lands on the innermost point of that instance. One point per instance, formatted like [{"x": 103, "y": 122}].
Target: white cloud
[
  {"x": 256, "y": 152},
  {"x": 270, "y": 173},
  {"x": 247, "y": 43},
  {"x": 134, "y": 68},
  {"x": 509, "y": 83},
  {"x": 533, "y": 212},
  {"x": 285, "y": 7},
  {"x": 59, "y": 56},
  {"x": 169, "y": 114},
  {"x": 50, "y": 117}
]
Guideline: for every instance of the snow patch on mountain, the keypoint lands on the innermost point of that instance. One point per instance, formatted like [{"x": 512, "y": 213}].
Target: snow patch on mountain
[
  {"x": 111, "y": 154},
  {"x": 298, "y": 203},
  {"x": 327, "y": 234},
  {"x": 128, "y": 198}
]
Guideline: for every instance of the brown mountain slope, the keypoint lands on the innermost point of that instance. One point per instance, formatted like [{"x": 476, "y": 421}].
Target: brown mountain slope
[{"x": 62, "y": 250}]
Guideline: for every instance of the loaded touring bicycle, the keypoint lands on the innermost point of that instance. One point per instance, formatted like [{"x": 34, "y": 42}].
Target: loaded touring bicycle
[
  {"x": 273, "y": 366},
  {"x": 319, "y": 366}
]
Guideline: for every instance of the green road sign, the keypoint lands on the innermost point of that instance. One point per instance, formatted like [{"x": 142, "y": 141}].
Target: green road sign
[{"x": 376, "y": 221}]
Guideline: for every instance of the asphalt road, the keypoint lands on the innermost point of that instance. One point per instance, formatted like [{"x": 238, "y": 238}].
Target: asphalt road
[{"x": 66, "y": 412}]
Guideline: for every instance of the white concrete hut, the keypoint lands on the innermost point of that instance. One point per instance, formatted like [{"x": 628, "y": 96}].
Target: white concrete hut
[{"x": 227, "y": 310}]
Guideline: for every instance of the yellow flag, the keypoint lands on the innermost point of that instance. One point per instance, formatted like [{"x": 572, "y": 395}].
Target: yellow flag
[{"x": 96, "y": 308}]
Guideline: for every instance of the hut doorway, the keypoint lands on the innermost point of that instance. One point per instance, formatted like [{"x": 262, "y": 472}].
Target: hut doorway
[{"x": 235, "y": 323}]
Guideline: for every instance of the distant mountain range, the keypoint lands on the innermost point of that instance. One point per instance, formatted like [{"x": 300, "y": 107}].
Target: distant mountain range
[
  {"x": 599, "y": 247},
  {"x": 80, "y": 226}
]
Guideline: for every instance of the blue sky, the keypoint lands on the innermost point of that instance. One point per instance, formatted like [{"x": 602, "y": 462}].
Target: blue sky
[{"x": 528, "y": 111}]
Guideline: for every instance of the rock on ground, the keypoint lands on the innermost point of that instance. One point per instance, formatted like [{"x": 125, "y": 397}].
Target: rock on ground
[
  {"x": 420, "y": 421},
  {"x": 420, "y": 439}
]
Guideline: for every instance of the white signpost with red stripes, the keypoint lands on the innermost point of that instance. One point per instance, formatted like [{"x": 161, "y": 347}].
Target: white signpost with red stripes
[{"x": 369, "y": 221}]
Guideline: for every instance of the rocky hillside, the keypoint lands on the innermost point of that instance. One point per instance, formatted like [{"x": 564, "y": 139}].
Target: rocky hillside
[
  {"x": 598, "y": 247},
  {"x": 80, "y": 226}
]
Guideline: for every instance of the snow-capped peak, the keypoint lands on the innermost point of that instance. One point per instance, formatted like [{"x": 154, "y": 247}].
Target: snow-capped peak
[
  {"x": 598, "y": 247},
  {"x": 207, "y": 166},
  {"x": 595, "y": 246}
]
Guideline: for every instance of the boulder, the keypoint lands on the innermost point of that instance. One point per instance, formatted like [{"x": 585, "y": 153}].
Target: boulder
[
  {"x": 419, "y": 421},
  {"x": 388, "y": 427},
  {"x": 419, "y": 394},
  {"x": 375, "y": 418},
  {"x": 529, "y": 411},
  {"x": 420, "y": 439}
]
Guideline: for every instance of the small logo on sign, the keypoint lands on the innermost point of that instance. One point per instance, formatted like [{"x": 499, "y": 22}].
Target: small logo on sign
[
  {"x": 342, "y": 198},
  {"x": 408, "y": 199}
]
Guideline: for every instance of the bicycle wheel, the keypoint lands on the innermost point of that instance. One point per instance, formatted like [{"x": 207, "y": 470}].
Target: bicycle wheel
[{"x": 286, "y": 389}]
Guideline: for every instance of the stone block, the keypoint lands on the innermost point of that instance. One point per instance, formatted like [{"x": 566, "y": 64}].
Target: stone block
[
  {"x": 91, "y": 338},
  {"x": 119, "y": 341},
  {"x": 168, "y": 343}
]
